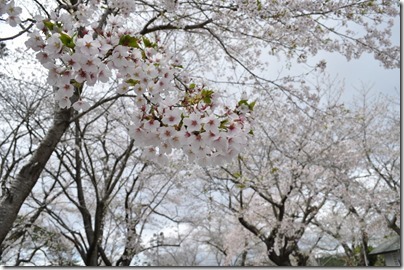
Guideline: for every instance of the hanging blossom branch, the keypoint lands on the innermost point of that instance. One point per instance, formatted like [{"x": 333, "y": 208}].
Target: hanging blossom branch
[{"x": 167, "y": 115}]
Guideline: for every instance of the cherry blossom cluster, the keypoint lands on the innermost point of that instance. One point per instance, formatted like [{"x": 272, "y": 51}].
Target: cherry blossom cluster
[
  {"x": 171, "y": 112},
  {"x": 11, "y": 12},
  {"x": 70, "y": 61},
  {"x": 209, "y": 133}
]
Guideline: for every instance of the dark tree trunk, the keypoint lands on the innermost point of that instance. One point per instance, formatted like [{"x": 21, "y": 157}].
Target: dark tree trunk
[{"x": 279, "y": 260}]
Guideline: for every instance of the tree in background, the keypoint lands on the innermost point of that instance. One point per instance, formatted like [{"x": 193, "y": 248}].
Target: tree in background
[
  {"x": 367, "y": 207},
  {"x": 306, "y": 170},
  {"x": 96, "y": 196},
  {"x": 380, "y": 127},
  {"x": 281, "y": 184}
]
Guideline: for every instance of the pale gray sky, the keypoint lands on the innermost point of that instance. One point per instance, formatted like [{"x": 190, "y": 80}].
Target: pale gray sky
[{"x": 366, "y": 70}]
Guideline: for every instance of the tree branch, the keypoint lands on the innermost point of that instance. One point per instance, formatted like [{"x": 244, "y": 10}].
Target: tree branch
[
  {"x": 170, "y": 26},
  {"x": 18, "y": 34}
]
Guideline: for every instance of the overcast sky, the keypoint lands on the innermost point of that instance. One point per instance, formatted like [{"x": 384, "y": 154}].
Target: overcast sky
[{"x": 366, "y": 70}]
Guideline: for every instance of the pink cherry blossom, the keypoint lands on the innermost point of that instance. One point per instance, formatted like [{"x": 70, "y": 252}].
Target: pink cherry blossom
[
  {"x": 165, "y": 148},
  {"x": 81, "y": 105},
  {"x": 138, "y": 134},
  {"x": 35, "y": 41},
  {"x": 66, "y": 90},
  {"x": 13, "y": 14},
  {"x": 220, "y": 143},
  {"x": 166, "y": 119},
  {"x": 211, "y": 123},
  {"x": 43, "y": 57},
  {"x": 87, "y": 45},
  {"x": 104, "y": 74},
  {"x": 73, "y": 61},
  {"x": 172, "y": 116},
  {"x": 166, "y": 133},
  {"x": 81, "y": 76},
  {"x": 54, "y": 45},
  {"x": 64, "y": 102},
  {"x": 90, "y": 64},
  {"x": 139, "y": 89},
  {"x": 53, "y": 73},
  {"x": 152, "y": 125},
  {"x": 175, "y": 140},
  {"x": 193, "y": 122},
  {"x": 150, "y": 152},
  {"x": 122, "y": 88}
]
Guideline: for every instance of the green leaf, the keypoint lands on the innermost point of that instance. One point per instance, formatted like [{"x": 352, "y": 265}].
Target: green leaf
[
  {"x": 49, "y": 25},
  {"x": 251, "y": 105},
  {"x": 76, "y": 84},
  {"x": 132, "y": 82},
  {"x": 237, "y": 175},
  {"x": 274, "y": 170},
  {"x": 192, "y": 86},
  {"x": 243, "y": 101},
  {"x": 241, "y": 186},
  {"x": 129, "y": 41},
  {"x": 223, "y": 124},
  {"x": 207, "y": 96},
  {"x": 207, "y": 100},
  {"x": 67, "y": 40},
  {"x": 148, "y": 44},
  {"x": 259, "y": 5}
]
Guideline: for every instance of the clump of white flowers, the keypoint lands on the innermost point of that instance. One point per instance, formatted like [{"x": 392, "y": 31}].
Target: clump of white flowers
[
  {"x": 171, "y": 112},
  {"x": 11, "y": 12}
]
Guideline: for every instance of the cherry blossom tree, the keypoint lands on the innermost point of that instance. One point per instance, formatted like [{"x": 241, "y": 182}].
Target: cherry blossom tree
[
  {"x": 212, "y": 234},
  {"x": 157, "y": 52},
  {"x": 303, "y": 166},
  {"x": 380, "y": 144},
  {"x": 99, "y": 198},
  {"x": 366, "y": 208}
]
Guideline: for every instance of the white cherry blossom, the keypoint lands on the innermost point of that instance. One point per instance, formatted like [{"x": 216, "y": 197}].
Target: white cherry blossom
[
  {"x": 13, "y": 14},
  {"x": 81, "y": 105},
  {"x": 64, "y": 102},
  {"x": 54, "y": 45},
  {"x": 66, "y": 90},
  {"x": 172, "y": 116},
  {"x": 193, "y": 122}
]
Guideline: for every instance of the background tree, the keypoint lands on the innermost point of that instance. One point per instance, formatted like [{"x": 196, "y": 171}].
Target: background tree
[
  {"x": 304, "y": 169},
  {"x": 355, "y": 219},
  {"x": 380, "y": 136},
  {"x": 103, "y": 198},
  {"x": 214, "y": 236}
]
